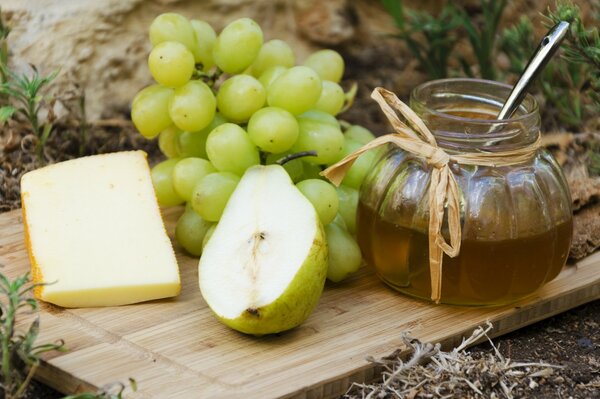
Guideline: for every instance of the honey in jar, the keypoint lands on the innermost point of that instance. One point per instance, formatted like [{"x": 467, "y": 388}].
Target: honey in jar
[{"x": 516, "y": 219}]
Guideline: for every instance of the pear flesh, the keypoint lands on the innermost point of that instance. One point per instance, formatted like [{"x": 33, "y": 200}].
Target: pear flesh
[{"x": 263, "y": 270}]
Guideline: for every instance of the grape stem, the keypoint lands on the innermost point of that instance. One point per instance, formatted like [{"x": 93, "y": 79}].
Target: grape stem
[
  {"x": 296, "y": 155},
  {"x": 210, "y": 78}
]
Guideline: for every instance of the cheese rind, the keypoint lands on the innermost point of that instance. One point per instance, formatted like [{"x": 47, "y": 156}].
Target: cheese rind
[{"x": 94, "y": 232}]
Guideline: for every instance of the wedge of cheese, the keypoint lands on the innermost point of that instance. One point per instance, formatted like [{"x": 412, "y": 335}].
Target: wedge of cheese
[{"x": 94, "y": 232}]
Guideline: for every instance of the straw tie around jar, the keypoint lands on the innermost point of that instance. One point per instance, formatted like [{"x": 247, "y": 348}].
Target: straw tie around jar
[{"x": 417, "y": 139}]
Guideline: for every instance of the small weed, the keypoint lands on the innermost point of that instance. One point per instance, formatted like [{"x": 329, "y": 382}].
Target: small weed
[
  {"x": 483, "y": 37},
  {"x": 25, "y": 94},
  {"x": 429, "y": 39},
  {"x": 22, "y": 94}
]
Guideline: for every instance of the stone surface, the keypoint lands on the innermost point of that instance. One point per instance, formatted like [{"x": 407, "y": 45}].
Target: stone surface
[{"x": 103, "y": 45}]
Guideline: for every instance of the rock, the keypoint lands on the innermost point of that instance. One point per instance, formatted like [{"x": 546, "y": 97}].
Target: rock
[
  {"x": 103, "y": 45},
  {"x": 326, "y": 22}
]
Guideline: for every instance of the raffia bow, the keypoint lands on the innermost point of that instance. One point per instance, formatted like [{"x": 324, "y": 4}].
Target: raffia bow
[{"x": 417, "y": 139}]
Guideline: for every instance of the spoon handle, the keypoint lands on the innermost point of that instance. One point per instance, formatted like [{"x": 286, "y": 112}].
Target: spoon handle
[{"x": 548, "y": 46}]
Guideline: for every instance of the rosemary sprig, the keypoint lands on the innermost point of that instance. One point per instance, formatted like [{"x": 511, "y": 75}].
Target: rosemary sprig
[
  {"x": 25, "y": 91},
  {"x": 582, "y": 46},
  {"x": 570, "y": 84},
  {"x": 19, "y": 353},
  {"x": 517, "y": 43},
  {"x": 22, "y": 94},
  {"x": 20, "y": 356}
]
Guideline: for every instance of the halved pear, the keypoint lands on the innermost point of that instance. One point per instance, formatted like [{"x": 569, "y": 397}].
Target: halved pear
[{"x": 264, "y": 267}]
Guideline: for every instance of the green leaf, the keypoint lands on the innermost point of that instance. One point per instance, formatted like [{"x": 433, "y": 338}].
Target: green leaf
[
  {"x": 395, "y": 9},
  {"x": 6, "y": 113}
]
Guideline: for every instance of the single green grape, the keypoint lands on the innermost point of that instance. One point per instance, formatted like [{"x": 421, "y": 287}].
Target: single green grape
[
  {"x": 320, "y": 117},
  {"x": 270, "y": 75},
  {"x": 172, "y": 27},
  {"x": 273, "y": 53},
  {"x": 323, "y": 197},
  {"x": 311, "y": 171},
  {"x": 273, "y": 129},
  {"x": 150, "y": 110},
  {"x": 205, "y": 39},
  {"x": 344, "y": 253},
  {"x": 348, "y": 197},
  {"x": 328, "y": 64},
  {"x": 162, "y": 180},
  {"x": 208, "y": 235},
  {"x": 332, "y": 98},
  {"x": 239, "y": 97},
  {"x": 359, "y": 134},
  {"x": 327, "y": 140},
  {"x": 230, "y": 149},
  {"x": 294, "y": 168},
  {"x": 238, "y": 45},
  {"x": 190, "y": 231},
  {"x": 193, "y": 144},
  {"x": 171, "y": 64},
  {"x": 167, "y": 142},
  {"x": 296, "y": 90},
  {"x": 211, "y": 194},
  {"x": 187, "y": 173},
  {"x": 349, "y": 147},
  {"x": 359, "y": 169},
  {"x": 192, "y": 106}
]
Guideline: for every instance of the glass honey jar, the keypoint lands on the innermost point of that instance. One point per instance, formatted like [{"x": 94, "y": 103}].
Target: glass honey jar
[{"x": 516, "y": 219}]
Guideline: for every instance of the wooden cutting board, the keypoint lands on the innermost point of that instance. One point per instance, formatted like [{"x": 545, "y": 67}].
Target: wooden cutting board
[{"x": 177, "y": 349}]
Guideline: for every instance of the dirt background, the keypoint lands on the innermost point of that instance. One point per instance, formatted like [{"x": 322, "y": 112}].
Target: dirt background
[{"x": 101, "y": 47}]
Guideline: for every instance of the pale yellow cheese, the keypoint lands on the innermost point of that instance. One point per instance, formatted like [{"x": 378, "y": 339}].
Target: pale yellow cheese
[{"x": 94, "y": 232}]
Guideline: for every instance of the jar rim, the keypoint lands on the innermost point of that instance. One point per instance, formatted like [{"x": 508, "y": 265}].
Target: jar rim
[{"x": 529, "y": 105}]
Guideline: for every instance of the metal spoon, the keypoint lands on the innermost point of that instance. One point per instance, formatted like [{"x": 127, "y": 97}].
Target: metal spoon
[{"x": 550, "y": 43}]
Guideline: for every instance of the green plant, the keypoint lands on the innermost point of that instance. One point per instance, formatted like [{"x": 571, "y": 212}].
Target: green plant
[
  {"x": 483, "y": 37},
  {"x": 570, "y": 84},
  {"x": 440, "y": 34},
  {"x": 22, "y": 94},
  {"x": 19, "y": 353},
  {"x": 582, "y": 46},
  {"x": 429, "y": 39},
  {"x": 517, "y": 42},
  {"x": 25, "y": 94}
]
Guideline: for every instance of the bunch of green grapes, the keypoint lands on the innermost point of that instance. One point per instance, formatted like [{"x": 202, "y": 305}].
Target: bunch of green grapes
[{"x": 223, "y": 103}]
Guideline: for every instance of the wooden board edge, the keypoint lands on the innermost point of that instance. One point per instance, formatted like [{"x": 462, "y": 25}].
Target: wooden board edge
[
  {"x": 62, "y": 381},
  {"x": 502, "y": 324}
]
